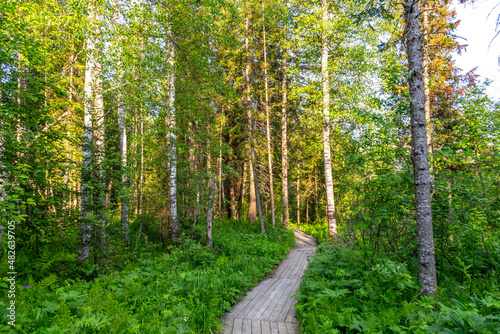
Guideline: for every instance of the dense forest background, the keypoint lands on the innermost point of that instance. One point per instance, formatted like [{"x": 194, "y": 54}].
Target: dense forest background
[{"x": 163, "y": 148}]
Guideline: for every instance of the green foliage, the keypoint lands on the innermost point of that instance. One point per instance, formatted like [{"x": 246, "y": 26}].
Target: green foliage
[
  {"x": 343, "y": 292},
  {"x": 184, "y": 291}
]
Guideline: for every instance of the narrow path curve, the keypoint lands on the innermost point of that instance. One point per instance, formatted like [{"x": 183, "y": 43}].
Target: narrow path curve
[{"x": 269, "y": 307}]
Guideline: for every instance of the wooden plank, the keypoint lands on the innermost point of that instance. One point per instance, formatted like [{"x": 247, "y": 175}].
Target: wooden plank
[
  {"x": 228, "y": 326},
  {"x": 266, "y": 315},
  {"x": 274, "y": 327},
  {"x": 237, "y": 324},
  {"x": 257, "y": 300},
  {"x": 285, "y": 266},
  {"x": 236, "y": 310},
  {"x": 294, "y": 265},
  {"x": 288, "y": 303},
  {"x": 256, "y": 327},
  {"x": 292, "y": 327},
  {"x": 302, "y": 266},
  {"x": 257, "y": 312},
  {"x": 282, "y": 328},
  {"x": 247, "y": 327},
  {"x": 284, "y": 300},
  {"x": 265, "y": 327},
  {"x": 280, "y": 300},
  {"x": 291, "y": 316}
]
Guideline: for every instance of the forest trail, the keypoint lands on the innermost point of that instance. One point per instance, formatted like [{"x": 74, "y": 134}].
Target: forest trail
[{"x": 269, "y": 307}]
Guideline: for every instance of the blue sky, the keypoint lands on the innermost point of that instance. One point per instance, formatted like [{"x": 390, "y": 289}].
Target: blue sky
[{"x": 478, "y": 29}]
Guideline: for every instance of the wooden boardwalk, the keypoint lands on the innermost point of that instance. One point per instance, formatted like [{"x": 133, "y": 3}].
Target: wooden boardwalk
[{"x": 269, "y": 307}]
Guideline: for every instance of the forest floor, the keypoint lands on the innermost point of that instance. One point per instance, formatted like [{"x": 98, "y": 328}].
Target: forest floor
[{"x": 269, "y": 307}]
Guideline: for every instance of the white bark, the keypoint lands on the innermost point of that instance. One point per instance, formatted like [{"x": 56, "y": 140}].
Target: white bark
[
  {"x": 123, "y": 137},
  {"x": 93, "y": 115},
  {"x": 172, "y": 139},
  {"x": 87, "y": 151},
  {"x": 330, "y": 200}
]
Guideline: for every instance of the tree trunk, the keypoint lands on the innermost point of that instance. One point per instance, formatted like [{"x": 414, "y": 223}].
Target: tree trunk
[
  {"x": 242, "y": 187},
  {"x": 284, "y": 139},
  {"x": 298, "y": 199},
  {"x": 330, "y": 200},
  {"x": 253, "y": 168},
  {"x": 268, "y": 126},
  {"x": 123, "y": 137},
  {"x": 88, "y": 138},
  {"x": 427, "y": 89},
  {"x": 192, "y": 163},
  {"x": 423, "y": 181},
  {"x": 252, "y": 204},
  {"x": 171, "y": 137},
  {"x": 211, "y": 200}
]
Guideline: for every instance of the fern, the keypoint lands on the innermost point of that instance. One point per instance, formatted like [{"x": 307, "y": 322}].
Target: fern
[{"x": 49, "y": 281}]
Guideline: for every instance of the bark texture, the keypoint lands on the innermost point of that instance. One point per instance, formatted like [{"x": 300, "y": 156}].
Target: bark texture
[
  {"x": 90, "y": 88},
  {"x": 284, "y": 141},
  {"x": 123, "y": 136},
  {"x": 327, "y": 158},
  {"x": 419, "y": 154},
  {"x": 173, "y": 220},
  {"x": 426, "y": 63},
  {"x": 253, "y": 168},
  {"x": 268, "y": 127},
  {"x": 211, "y": 200}
]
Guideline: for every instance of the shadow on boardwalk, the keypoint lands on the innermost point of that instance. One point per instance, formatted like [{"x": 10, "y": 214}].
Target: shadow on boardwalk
[{"x": 269, "y": 307}]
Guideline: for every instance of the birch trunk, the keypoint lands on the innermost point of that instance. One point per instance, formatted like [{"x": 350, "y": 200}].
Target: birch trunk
[
  {"x": 123, "y": 136},
  {"x": 100, "y": 188},
  {"x": 268, "y": 127},
  {"x": 284, "y": 140},
  {"x": 192, "y": 161},
  {"x": 172, "y": 142},
  {"x": 419, "y": 155},
  {"x": 253, "y": 168},
  {"x": 330, "y": 199},
  {"x": 211, "y": 201},
  {"x": 88, "y": 138}
]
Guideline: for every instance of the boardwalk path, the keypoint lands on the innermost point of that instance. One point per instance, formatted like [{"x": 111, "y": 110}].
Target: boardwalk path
[{"x": 269, "y": 307}]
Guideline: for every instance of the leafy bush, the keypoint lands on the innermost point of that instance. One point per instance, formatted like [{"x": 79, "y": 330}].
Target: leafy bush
[
  {"x": 185, "y": 291},
  {"x": 343, "y": 293}
]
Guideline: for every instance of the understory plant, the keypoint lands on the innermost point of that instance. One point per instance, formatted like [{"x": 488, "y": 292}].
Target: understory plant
[{"x": 186, "y": 290}]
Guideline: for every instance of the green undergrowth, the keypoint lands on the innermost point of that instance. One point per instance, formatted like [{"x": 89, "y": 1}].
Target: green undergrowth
[
  {"x": 184, "y": 291},
  {"x": 344, "y": 292}
]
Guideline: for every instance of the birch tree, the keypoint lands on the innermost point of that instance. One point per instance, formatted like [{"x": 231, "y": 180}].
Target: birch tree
[
  {"x": 173, "y": 220},
  {"x": 419, "y": 154},
  {"x": 92, "y": 103},
  {"x": 123, "y": 134},
  {"x": 327, "y": 159}
]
